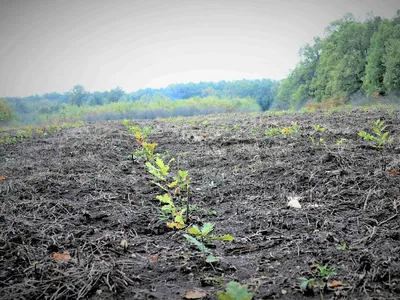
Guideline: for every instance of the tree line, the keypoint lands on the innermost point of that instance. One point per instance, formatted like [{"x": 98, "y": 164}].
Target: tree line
[
  {"x": 28, "y": 108},
  {"x": 352, "y": 58}
]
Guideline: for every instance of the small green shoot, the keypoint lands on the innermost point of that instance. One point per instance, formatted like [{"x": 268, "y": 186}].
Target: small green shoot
[
  {"x": 344, "y": 247},
  {"x": 306, "y": 284},
  {"x": 324, "y": 272},
  {"x": 235, "y": 291},
  {"x": 319, "y": 128},
  {"x": 272, "y": 131},
  {"x": 378, "y": 138},
  {"x": 340, "y": 142},
  {"x": 320, "y": 141}
]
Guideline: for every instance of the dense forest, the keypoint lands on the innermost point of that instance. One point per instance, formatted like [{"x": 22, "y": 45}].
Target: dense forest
[{"x": 354, "y": 59}]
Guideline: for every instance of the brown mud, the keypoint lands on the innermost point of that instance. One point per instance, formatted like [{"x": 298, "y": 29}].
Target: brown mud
[{"x": 79, "y": 191}]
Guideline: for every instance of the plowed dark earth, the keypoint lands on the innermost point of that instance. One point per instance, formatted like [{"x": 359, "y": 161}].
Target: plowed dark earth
[{"x": 79, "y": 191}]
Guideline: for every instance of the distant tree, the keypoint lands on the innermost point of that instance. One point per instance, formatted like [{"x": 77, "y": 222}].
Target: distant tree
[
  {"x": 296, "y": 89},
  {"x": 391, "y": 60},
  {"x": 209, "y": 91},
  {"x": 52, "y": 96},
  {"x": 375, "y": 67},
  {"x": 5, "y": 111},
  {"x": 44, "y": 110},
  {"x": 115, "y": 94},
  {"x": 78, "y": 95}
]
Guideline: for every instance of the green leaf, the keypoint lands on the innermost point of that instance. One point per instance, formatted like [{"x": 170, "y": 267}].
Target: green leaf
[
  {"x": 384, "y": 136},
  {"x": 211, "y": 259},
  {"x": 225, "y": 237},
  {"x": 179, "y": 218},
  {"x": 206, "y": 228},
  {"x": 376, "y": 131},
  {"x": 163, "y": 168},
  {"x": 183, "y": 174},
  {"x": 172, "y": 184},
  {"x": 236, "y": 291},
  {"x": 224, "y": 296},
  {"x": 166, "y": 198},
  {"x": 167, "y": 208},
  {"x": 194, "y": 230},
  {"x": 199, "y": 245},
  {"x": 304, "y": 285},
  {"x": 154, "y": 171}
]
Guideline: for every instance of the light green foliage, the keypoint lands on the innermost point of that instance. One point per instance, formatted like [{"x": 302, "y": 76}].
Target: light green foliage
[
  {"x": 201, "y": 232},
  {"x": 340, "y": 141},
  {"x": 235, "y": 291},
  {"x": 286, "y": 131},
  {"x": 150, "y": 108},
  {"x": 319, "y": 128},
  {"x": 182, "y": 180},
  {"x": 272, "y": 131},
  {"x": 378, "y": 138},
  {"x": 22, "y": 133},
  {"x": 160, "y": 170},
  {"x": 321, "y": 275},
  {"x": 201, "y": 235},
  {"x": 318, "y": 139},
  {"x": 324, "y": 272}
]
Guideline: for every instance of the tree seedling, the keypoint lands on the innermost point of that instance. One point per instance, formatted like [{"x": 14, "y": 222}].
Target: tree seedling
[
  {"x": 306, "y": 285},
  {"x": 319, "y": 128},
  {"x": 324, "y": 272},
  {"x": 340, "y": 142},
  {"x": 321, "y": 276},
  {"x": 169, "y": 208},
  {"x": 201, "y": 236},
  {"x": 318, "y": 142},
  {"x": 181, "y": 181},
  {"x": 378, "y": 138},
  {"x": 235, "y": 291},
  {"x": 160, "y": 170}
]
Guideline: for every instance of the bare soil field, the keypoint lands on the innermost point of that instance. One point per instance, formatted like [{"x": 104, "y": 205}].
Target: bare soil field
[{"x": 67, "y": 200}]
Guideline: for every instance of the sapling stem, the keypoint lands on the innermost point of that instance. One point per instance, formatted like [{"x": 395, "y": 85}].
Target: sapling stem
[{"x": 187, "y": 203}]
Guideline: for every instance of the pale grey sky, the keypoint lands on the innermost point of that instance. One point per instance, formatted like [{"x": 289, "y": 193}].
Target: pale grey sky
[{"x": 51, "y": 45}]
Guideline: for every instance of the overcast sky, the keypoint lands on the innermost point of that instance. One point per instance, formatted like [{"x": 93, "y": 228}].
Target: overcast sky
[{"x": 52, "y": 45}]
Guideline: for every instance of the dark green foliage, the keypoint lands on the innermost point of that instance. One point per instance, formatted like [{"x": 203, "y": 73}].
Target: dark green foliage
[{"x": 353, "y": 57}]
